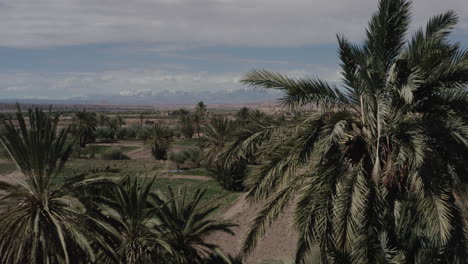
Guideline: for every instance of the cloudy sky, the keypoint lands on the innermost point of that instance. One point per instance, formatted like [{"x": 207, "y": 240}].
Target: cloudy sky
[{"x": 59, "y": 49}]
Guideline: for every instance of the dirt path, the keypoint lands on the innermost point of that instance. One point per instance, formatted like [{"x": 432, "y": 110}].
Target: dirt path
[
  {"x": 141, "y": 153},
  {"x": 129, "y": 143},
  {"x": 279, "y": 243},
  {"x": 12, "y": 177}
]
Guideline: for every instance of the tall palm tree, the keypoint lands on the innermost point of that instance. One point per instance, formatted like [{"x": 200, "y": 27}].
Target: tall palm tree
[
  {"x": 199, "y": 118},
  {"x": 243, "y": 114},
  {"x": 141, "y": 116},
  {"x": 217, "y": 133},
  {"x": 159, "y": 141},
  {"x": 376, "y": 172},
  {"x": 188, "y": 222},
  {"x": 120, "y": 120},
  {"x": 85, "y": 125},
  {"x": 40, "y": 221},
  {"x": 201, "y": 109}
]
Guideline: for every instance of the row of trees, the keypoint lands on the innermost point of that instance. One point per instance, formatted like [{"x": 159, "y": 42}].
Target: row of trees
[
  {"x": 92, "y": 220},
  {"x": 91, "y": 126}
]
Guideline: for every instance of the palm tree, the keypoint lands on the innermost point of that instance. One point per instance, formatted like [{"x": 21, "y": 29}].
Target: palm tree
[
  {"x": 216, "y": 136},
  {"x": 201, "y": 108},
  {"x": 85, "y": 125},
  {"x": 376, "y": 173},
  {"x": 40, "y": 221},
  {"x": 200, "y": 111},
  {"x": 188, "y": 222},
  {"x": 243, "y": 114},
  {"x": 187, "y": 125},
  {"x": 130, "y": 208},
  {"x": 141, "y": 116},
  {"x": 159, "y": 141},
  {"x": 102, "y": 119},
  {"x": 120, "y": 120}
]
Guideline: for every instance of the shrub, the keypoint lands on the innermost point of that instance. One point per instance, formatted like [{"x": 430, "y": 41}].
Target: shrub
[
  {"x": 104, "y": 133},
  {"x": 230, "y": 177},
  {"x": 114, "y": 154},
  {"x": 178, "y": 157},
  {"x": 194, "y": 155},
  {"x": 126, "y": 133},
  {"x": 143, "y": 133},
  {"x": 187, "y": 126}
]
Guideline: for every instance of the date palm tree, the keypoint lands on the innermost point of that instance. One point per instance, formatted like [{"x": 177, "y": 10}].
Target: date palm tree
[
  {"x": 40, "y": 222},
  {"x": 376, "y": 173},
  {"x": 159, "y": 141},
  {"x": 217, "y": 133},
  {"x": 130, "y": 208},
  {"x": 188, "y": 222},
  {"x": 199, "y": 118},
  {"x": 85, "y": 125}
]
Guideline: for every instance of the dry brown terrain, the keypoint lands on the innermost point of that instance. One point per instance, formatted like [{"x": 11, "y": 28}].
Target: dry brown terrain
[{"x": 279, "y": 243}]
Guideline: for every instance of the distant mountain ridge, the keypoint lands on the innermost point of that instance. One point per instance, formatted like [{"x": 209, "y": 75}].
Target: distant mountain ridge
[{"x": 164, "y": 97}]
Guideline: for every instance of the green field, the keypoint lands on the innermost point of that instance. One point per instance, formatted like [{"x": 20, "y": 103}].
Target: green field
[
  {"x": 186, "y": 142},
  {"x": 148, "y": 169},
  {"x": 196, "y": 172},
  {"x": 102, "y": 149}
]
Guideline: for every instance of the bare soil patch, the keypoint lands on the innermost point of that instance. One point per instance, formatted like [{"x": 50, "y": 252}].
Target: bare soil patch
[
  {"x": 279, "y": 243},
  {"x": 12, "y": 177}
]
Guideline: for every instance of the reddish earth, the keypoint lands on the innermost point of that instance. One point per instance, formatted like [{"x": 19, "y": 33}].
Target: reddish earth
[{"x": 279, "y": 243}]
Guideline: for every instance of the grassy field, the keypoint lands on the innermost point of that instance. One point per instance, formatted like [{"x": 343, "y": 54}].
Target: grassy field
[
  {"x": 215, "y": 194},
  {"x": 196, "y": 172},
  {"x": 102, "y": 149},
  {"x": 185, "y": 142}
]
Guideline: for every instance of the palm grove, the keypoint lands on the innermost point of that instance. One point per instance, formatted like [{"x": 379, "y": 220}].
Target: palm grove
[{"x": 376, "y": 171}]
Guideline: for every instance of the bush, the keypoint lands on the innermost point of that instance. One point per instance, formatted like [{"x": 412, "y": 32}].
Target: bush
[
  {"x": 143, "y": 133},
  {"x": 230, "y": 177},
  {"x": 194, "y": 155},
  {"x": 104, "y": 133},
  {"x": 178, "y": 157},
  {"x": 114, "y": 154},
  {"x": 187, "y": 126},
  {"x": 126, "y": 133}
]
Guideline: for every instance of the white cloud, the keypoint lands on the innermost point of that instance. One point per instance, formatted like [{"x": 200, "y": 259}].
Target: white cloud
[
  {"x": 125, "y": 82},
  {"x": 43, "y": 23}
]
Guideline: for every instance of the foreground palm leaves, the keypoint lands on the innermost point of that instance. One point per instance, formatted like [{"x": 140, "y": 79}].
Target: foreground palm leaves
[
  {"x": 135, "y": 235},
  {"x": 40, "y": 222},
  {"x": 187, "y": 222},
  {"x": 377, "y": 172}
]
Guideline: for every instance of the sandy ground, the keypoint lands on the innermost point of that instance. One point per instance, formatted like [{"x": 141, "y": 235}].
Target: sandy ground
[
  {"x": 279, "y": 243},
  {"x": 12, "y": 177}
]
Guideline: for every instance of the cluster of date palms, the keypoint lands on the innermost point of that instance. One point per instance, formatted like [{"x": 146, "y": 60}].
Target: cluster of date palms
[{"x": 92, "y": 220}]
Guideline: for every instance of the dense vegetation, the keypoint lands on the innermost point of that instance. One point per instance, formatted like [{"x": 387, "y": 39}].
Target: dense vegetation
[
  {"x": 88, "y": 220},
  {"x": 377, "y": 172},
  {"x": 375, "y": 169}
]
